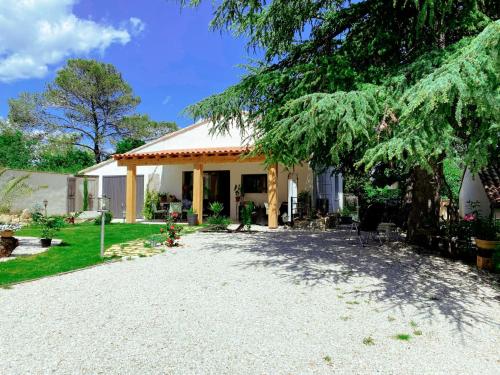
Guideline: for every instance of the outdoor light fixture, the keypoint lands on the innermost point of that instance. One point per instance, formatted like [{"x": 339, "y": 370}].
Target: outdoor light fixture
[
  {"x": 103, "y": 204},
  {"x": 45, "y": 203}
]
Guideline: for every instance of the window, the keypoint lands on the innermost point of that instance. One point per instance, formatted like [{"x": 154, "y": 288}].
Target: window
[{"x": 254, "y": 183}]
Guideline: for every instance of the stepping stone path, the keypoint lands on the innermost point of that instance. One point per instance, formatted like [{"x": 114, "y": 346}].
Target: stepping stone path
[{"x": 133, "y": 249}]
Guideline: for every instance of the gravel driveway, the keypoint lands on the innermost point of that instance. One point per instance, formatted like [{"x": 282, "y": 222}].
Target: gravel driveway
[{"x": 262, "y": 303}]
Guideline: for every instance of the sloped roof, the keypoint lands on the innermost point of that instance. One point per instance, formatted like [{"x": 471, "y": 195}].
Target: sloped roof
[
  {"x": 162, "y": 138},
  {"x": 490, "y": 177},
  {"x": 209, "y": 151}
]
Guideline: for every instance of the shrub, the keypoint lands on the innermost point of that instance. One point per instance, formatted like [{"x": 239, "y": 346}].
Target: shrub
[
  {"x": 172, "y": 232},
  {"x": 49, "y": 225},
  {"x": 216, "y": 221},
  {"x": 246, "y": 214},
  {"x": 107, "y": 218},
  {"x": 216, "y": 208},
  {"x": 152, "y": 199}
]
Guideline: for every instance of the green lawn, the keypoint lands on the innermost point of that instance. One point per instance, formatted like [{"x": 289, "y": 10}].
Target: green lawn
[{"x": 80, "y": 249}]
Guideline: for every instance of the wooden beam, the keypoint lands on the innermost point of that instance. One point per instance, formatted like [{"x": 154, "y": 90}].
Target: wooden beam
[
  {"x": 272, "y": 196},
  {"x": 131, "y": 194},
  {"x": 198, "y": 191},
  {"x": 166, "y": 160}
]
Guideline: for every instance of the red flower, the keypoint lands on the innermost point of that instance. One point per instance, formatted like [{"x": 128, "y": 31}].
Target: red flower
[
  {"x": 172, "y": 227},
  {"x": 470, "y": 217}
]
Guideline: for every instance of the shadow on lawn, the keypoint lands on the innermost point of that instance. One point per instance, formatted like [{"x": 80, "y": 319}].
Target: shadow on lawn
[{"x": 398, "y": 275}]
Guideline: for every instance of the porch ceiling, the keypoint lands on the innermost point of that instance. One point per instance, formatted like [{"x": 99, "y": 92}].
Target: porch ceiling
[{"x": 189, "y": 156}]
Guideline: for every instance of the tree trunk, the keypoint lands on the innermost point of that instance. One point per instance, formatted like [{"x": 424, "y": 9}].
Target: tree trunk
[
  {"x": 423, "y": 218},
  {"x": 97, "y": 153}
]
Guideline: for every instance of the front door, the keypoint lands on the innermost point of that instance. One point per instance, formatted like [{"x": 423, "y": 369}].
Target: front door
[
  {"x": 216, "y": 188},
  {"x": 114, "y": 187}
]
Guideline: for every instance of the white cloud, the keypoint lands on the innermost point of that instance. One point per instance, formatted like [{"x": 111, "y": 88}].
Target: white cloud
[
  {"x": 166, "y": 100},
  {"x": 36, "y": 34},
  {"x": 137, "y": 26}
]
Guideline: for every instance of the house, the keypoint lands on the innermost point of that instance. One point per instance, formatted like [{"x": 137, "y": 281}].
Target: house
[
  {"x": 198, "y": 167},
  {"x": 481, "y": 192}
]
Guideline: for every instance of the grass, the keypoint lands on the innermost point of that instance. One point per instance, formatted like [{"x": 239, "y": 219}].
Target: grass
[
  {"x": 403, "y": 337},
  {"x": 328, "y": 360},
  {"x": 80, "y": 249},
  {"x": 369, "y": 341}
]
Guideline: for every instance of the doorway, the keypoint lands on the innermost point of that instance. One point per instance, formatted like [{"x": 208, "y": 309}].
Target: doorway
[{"x": 216, "y": 188}]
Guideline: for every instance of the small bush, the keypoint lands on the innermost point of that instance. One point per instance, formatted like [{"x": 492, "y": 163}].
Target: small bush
[
  {"x": 107, "y": 218},
  {"x": 403, "y": 337},
  {"x": 217, "y": 222},
  {"x": 246, "y": 215},
  {"x": 369, "y": 341}
]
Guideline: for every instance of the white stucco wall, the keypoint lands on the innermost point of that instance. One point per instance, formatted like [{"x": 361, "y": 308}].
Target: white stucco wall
[
  {"x": 50, "y": 186},
  {"x": 472, "y": 190}
]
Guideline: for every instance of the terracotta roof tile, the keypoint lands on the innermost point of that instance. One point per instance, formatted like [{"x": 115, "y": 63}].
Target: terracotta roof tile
[
  {"x": 490, "y": 177},
  {"x": 209, "y": 151}
]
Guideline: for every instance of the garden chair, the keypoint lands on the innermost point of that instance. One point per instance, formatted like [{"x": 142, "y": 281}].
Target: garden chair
[{"x": 156, "y": 211}]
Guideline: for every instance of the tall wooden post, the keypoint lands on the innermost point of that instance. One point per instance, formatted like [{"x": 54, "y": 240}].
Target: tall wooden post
[
  {"x": 198, "y": 191},
  {"x": 272, "y": 196},
  {"x": 131, "y": 194}
]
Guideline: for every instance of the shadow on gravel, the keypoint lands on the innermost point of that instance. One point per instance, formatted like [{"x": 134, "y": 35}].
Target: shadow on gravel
[{"x": 401, "y": 276}]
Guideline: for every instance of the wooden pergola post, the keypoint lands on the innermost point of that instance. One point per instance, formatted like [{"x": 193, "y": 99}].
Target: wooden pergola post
[
  {"x": 198, "y": 191},
  {"x": 272, "y": 196},
  {"x": 131, "y": 194}
]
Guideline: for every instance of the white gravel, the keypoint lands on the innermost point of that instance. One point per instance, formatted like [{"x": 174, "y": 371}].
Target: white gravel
[{"x": 262, "y": 303}]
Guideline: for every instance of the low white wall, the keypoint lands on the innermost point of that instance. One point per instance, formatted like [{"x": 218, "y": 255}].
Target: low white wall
[{"x": 50, "y": 186}]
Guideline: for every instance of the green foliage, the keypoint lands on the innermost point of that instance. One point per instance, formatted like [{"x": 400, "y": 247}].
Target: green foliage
[
  {"x": 246, "y": 215},
  {"x": 16, "y": 150},
  {"x": 216, "y": 221},
  {"x": 151, "y": 200},
  {"x": 127, "y": 144},
  {"x": 108, "y": 216},
  {"x": 63, "y": 160},
  {"x": 381, "y": 195},
  {"x": 216, "y": 208},
  {"x": 144, "y": 128},
  {"x": 49, "y": 225},
  {"x": 453, "y": 171},
  {"x": 364, "y": 85},
  {"x": 12, "y": 189},
  {"x": 81, "y": 249},
  {"x": 85, "y": 194},
  {"x": 403, "y": 337},
  {"x": 90, "y": 101},
  {"x": 172, "y": 231}
]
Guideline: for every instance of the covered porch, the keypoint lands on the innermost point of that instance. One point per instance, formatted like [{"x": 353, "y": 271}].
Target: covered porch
[{"x": 198, "y": 159}]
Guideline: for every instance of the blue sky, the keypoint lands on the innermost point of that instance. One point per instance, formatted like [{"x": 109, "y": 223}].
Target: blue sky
[{"x": 168, "y": 55}]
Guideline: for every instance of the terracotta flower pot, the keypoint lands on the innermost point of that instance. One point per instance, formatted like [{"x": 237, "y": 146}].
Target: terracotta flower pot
[
  {"x": 7, "y": 233},
  {"x": 486, "y": 245},
  {"x": 485, "y": 254}
]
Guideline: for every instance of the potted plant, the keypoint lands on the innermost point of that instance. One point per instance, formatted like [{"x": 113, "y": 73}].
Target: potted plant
[
  {"x": 192, "y": 217},
  {"x": 487, "y": 238},
  {"x": 237, "y": 192},
  {"x": 49, "y": 225}
]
